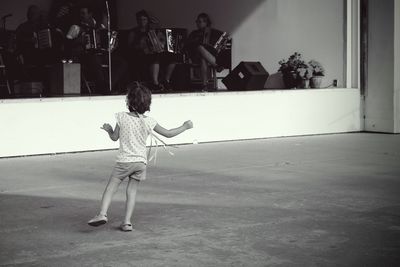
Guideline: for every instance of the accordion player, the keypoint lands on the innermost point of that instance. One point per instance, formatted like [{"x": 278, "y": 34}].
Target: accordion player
[
  {"x": 215, "y": 40},
  {"x": 212, "y": 39},
  {"x": 93, "y": 39}
]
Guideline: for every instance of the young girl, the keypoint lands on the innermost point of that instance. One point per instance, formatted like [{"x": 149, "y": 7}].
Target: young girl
[{"x": 132, "y": 130}]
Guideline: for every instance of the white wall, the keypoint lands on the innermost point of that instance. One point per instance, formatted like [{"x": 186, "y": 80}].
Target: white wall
[
  {"x": 355, "y": 25},
  {"x": 397, "y": 66},
  {"x": 263, "y": 30},
  {"x": 381, "y": 102},
  {"x": 35, "y": 126}
]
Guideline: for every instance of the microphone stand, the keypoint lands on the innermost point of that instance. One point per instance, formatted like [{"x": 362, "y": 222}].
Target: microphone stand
[{"x": 109, "y": 46}]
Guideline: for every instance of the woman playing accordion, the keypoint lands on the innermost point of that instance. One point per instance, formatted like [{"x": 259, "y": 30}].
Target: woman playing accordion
[
  {"x": 204, "y": 45},
  {"x": 148, "y": 56}
]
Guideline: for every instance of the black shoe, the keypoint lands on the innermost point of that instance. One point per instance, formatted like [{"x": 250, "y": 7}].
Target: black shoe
[
  {"x": 219, "y": 68},
  {"x": 204, "y": 88},
  {"x": 167, "y": 86},
  {"x": 157, "y": 88}
]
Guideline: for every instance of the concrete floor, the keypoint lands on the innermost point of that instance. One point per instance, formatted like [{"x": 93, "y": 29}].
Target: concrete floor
[{"x": 307, "y": 201}]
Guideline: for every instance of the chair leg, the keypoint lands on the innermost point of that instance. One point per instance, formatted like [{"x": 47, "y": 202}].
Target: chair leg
[
  {"x": 8, "y": 86},
  {"x": 87, "y": 85},
  {"x": 6, "y": 82},
  {"x": 4, "y": 74},
  {"x": 215, "y": 79}
]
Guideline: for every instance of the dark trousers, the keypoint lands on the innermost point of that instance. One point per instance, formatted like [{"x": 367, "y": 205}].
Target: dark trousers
[
  {"x": 93, "y": 71},
  {"x": 119, "y": 72}
]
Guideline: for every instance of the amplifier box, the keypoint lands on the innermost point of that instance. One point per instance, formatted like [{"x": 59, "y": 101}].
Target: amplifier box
[
  {"x": 65, "y": 79},
  {"x": 246, "y": 76}
]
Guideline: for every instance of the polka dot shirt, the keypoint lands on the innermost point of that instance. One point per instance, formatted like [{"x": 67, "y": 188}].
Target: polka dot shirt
[{"x": 133, "y": 133}]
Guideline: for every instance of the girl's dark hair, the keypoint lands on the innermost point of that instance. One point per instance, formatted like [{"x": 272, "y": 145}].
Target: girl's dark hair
[
  {"x": 206, "y": 17},
  {"x": 138, "y": 98}
]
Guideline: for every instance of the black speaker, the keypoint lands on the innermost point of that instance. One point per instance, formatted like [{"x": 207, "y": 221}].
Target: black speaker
[{"x": 246, "y": 76}]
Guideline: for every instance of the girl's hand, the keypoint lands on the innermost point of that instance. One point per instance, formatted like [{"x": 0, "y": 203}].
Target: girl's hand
[
  {"x": 107, "y": 127},
  {"x": 188, "y": 125}
]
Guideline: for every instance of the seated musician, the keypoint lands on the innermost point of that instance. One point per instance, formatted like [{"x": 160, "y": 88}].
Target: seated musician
[
  {"x": 14, "y": 70},
  {"x": 144, "y": 56},
  {"x": 62, "y": 15},
  {"x": 200, "y": 48},
  {"x": 90, "y": 60},
  {"x": 26, "y": 34},
  {"x": 32, "y": 60}
]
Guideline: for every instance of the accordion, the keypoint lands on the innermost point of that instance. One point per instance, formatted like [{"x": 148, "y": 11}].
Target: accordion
[
  {"x": 44, "y": 39},
  {"x": 216, "y": 40},
  {"x": 97, "y": 39},
  {"x": 167, "y": 40},
  {"x": 222, "y": 42}
]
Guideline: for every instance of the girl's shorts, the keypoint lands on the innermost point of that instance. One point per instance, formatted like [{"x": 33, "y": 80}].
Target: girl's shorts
[{"x": 133, "y": 170}]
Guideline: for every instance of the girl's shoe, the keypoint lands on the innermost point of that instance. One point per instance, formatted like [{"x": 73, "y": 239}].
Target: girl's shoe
[
  {"x": 126, "y": 227},
  {"x": 98, "y": 220}
]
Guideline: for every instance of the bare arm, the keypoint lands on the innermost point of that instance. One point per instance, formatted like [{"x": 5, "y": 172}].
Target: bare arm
[
  {"x": 113, "y": 134},
  {"x": 173, "y": 132}
]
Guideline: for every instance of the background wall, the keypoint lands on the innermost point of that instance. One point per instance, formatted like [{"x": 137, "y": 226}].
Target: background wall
[
  {"x": 397, "y": 65},
  {"x": 18, "y": 8},
  {"x": 382, "y": 97},
  {"x": 74, "y": 123},
  {"x": 263, "y": 30}
]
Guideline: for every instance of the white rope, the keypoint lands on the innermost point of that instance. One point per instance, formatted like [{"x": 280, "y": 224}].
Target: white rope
[{"x": 158, "y": 141}]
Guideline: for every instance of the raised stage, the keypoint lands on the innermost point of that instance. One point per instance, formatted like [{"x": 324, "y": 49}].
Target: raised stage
[{"x": 72, "y": 124}]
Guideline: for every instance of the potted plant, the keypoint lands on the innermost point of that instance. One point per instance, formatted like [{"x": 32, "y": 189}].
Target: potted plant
[
  {"x": 318, "y": 73},
  {"x": 296, "y": 73},
  {"x": 304, "y": 74}
]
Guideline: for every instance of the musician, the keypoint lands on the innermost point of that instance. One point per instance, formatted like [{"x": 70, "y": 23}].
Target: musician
[
  {"x": 62, "y": 15},
  {"x": 144, "y": 57},
  {"x": 26, "y": 35},
  {"x": 32, "y": 60},
  {"x": 91, "y": 61},
  {"x": 200, "y": 48},
  {"x": 14, "y": 69}
]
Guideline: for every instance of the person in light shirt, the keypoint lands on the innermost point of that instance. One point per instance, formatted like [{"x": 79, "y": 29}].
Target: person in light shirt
[{"x": 132, "y": 130}]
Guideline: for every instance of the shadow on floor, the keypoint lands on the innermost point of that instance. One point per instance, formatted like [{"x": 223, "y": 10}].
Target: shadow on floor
[{"x": 52, "y": 231}]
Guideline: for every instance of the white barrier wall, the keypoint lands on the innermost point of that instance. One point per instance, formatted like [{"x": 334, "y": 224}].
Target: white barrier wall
[{"x": 53, "y": 125}]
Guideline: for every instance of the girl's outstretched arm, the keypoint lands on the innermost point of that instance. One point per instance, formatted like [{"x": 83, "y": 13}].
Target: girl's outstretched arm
[
  {"x": 114, "y": 134},
  {"x": 173, "y": 132}
]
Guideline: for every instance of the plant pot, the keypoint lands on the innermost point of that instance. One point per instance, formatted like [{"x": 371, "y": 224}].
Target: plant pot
[
  {"x": 303, "y": 83},
  {"x": 289, "y": 79},
  {"x": 316, "y": 81}
]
